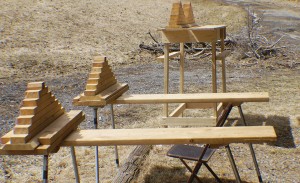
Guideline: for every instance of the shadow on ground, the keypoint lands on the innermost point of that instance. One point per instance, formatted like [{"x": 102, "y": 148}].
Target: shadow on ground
[
  {"x": 161, "y": 174},
  {"x": 280, "y": 123}
]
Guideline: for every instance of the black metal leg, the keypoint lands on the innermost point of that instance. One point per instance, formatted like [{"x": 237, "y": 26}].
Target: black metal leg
[
  {"x": 96, "y": 147},
  {"x": 75, "y": 164},
  {"x": 233, "y": 165},
  {"x": 189, "y": 168},
  {"x": 212, "y": 172},
  {"x": 113, "y": 126},
  {"x": 251, "y": 147},
  {"x": 198, "y": 165},
  {"x": 45, "y": 169}
]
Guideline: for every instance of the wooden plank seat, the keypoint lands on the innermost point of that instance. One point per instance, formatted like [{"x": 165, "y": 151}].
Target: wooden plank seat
[
  {"x": 153, "y": 136},
  {"x": 181, "y": 98}
]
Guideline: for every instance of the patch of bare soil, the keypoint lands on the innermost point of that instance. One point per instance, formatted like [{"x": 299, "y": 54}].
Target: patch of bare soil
[{"x": 55, "y": 41}]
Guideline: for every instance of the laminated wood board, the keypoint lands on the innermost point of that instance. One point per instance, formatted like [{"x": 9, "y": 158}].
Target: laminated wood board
[
  {"x": 210, "y": 135},
  {"x": 192, "y": 98},
  {"x": 103, "y": 98},
  {"x": 207, "y": 33},
  {"x": 189, "y": 121}
]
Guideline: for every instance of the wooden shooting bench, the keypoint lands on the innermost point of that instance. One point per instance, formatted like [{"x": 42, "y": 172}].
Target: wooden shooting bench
[{"x": 183, "y": 29}]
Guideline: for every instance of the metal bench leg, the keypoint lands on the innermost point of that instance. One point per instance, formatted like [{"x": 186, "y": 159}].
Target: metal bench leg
[
  {"x": 233, "y": 165},
  {"x": 45, "y": 169},
  {"x": 96, "y": 147},
  {"x": 251, "y": 147},
  {"x": 113, "y": 126},
  {"x": 75, "y": 164},
  {"x": 189, "y": 168},
  {"x": 213, "y": 173}
]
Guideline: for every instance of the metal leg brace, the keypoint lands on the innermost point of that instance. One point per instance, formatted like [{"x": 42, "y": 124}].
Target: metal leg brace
[
  {"x": 45, "y": 169},
  {"x": 233, "y": 165},
  {"x": 75, "y": 164},
  {"x": 251, "y": 147},
  {"x": 96, "y": 147},
  {"x": 113, "y": 126}
]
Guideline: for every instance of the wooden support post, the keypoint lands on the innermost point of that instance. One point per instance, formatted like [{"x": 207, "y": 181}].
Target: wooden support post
[
  {"x": 214, "y": 73},
  {"x": 166, "y": 76},
  {"x": 181, "y": 68},
  {"x": 223, "y": 67}
]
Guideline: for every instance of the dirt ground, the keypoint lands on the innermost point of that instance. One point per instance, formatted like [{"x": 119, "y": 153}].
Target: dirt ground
[{"x": 55, "y": 41}]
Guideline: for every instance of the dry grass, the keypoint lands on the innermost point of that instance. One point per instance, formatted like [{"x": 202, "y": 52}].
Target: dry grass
[{"x": 47, "y": 39}]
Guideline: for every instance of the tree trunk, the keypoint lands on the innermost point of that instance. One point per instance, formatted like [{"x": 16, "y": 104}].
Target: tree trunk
[{"x": 130, "y": 169}]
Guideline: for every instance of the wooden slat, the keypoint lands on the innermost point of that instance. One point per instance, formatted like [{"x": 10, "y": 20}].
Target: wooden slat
[
  {"x": 32, "y": 110},
  {"x": 192, "y": 98},
  {"x": 211, "y": 135},
  {"x": 30, "y": 102},
  {"x": 60, "y": 126},
  {"x": 188, "y": 121},
  {"x": 199, "y": 105},
  {"x": 30, "y": 119},
  {"x": 36, "y": 93},
  {"x": 36, "y": 85},
  {"x": 171, "y": 55},
  {"x": 35, "y": 128},
  {"x": 178, "y": 111},
  {"x": 106, "y": 97},
  {"x": 206, "y": 33}
]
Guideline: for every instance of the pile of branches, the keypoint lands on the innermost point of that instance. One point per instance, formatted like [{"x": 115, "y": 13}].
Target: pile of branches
[
  {"x": 195, "y": 49},
  {"x": 258, "y": 45}
]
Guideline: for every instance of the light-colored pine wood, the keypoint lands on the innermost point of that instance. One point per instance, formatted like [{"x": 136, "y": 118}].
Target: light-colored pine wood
[
  {"x": 208, "y": 33},
  {"x": 181, "y": 69},
  {"x": 60, "y": 126},
  {"x": 210, "y": 135},
  {"x": 103, "y": 98},
  {"x": 177, "y": 18},
  {"x": 31, "y": 110},
  {"x": 36, "y": 93},
  {"x": 166, "y": 77},
  {"x": 48, "y": 111},
  {"x": 192, "y": 98},
  {"x": 35, "y": 128},
  {"x": 30, "y": 102},
  {"x": 178, "y": 111},
  {"x": 171, "y": 55},
  {"x": 188, "y": 121},
  {"x": 188, "y": 13},
  {"x": 200, "y": 105},
  {"x": 36, "y": 85}
]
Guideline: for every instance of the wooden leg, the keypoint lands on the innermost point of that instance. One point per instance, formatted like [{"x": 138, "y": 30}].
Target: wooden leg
[
  {"x": 166, "y": 76},
  {"x": 223, "y": 68},
  {"x": 214, "y": 75}
]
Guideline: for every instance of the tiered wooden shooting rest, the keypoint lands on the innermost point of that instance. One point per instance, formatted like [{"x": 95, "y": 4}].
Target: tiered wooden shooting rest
[
  {"x": 183, "y": 29},
  {"x": 41, "y": 127}
]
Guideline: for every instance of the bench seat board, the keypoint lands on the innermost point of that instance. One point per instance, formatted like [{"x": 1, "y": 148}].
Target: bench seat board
[
  {"x": 193, "y": 98},
  {"x": 152, "y": 136}
]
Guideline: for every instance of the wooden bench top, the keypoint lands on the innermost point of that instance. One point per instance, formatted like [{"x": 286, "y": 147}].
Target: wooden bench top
[
  {"x": 193, "y": 98},
  {"x": 152, "y": 136}
]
